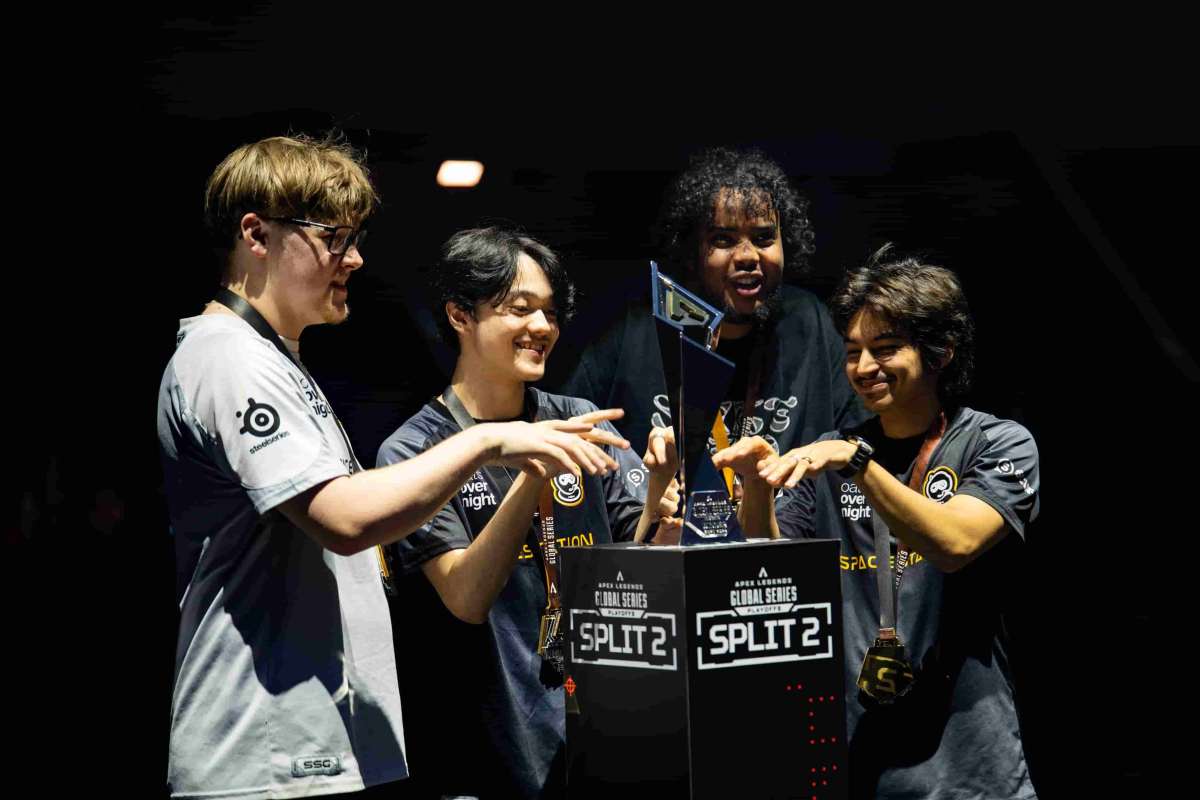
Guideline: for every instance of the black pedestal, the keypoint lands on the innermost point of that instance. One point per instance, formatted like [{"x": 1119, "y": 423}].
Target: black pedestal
[{"x": 705, "y": 671}]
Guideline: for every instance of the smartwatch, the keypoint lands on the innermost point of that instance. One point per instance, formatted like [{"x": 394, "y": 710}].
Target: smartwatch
[{"x": 860, "y": 458}]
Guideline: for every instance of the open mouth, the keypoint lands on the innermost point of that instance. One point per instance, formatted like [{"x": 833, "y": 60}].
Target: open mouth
[
  {"x": 537, "y": 348},
  {"x": 746, "y": 285}
]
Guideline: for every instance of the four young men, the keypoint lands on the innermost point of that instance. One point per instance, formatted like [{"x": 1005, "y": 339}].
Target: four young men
[{"x": 286, "y": 674}]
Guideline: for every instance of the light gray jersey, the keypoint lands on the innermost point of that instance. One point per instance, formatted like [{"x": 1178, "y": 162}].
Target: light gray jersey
[{"x": 285, "y": 674}]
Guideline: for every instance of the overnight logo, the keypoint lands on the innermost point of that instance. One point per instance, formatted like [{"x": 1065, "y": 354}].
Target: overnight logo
[
  {"x": 853, "y": 503},
  {"x": 477, "y": 493},
  {"x": 764, "y": 624},
  {"x": 621, "y": 631}
]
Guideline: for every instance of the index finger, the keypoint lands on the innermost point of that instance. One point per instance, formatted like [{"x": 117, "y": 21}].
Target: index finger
[{"x": 600, "y": 415}]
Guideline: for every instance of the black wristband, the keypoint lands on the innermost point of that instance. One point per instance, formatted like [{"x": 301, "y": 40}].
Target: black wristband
[{"x": 860, "y": 458}]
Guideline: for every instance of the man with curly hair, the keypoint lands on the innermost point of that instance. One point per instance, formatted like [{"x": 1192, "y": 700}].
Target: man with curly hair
[{"x": 727, "y": 227}]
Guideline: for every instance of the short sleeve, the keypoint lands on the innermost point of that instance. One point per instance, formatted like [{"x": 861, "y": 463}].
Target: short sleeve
[
  {"x": 625, "y": 490},
  {"x": 1004, "y": 473},
  {"x": 795, "y": 511},
  {"x": 444, "y": 532},
  {"x": 263, "y": 419}
]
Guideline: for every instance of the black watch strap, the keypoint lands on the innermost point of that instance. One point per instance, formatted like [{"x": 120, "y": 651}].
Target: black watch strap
[{"x": 860, "y": 458}]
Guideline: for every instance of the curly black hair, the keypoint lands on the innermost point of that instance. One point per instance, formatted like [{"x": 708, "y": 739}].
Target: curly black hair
[
  {"x": 925, "y": 303},
  {"x": 480, "y": 265},
  {"x": 755, "y": 182}
]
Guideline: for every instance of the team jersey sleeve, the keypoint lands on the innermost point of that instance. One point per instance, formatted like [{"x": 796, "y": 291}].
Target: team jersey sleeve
[
  {"x": 1004, "y": 473},
  {"x": 262, "y": 417},
  {"x": 444, "y": 532},
  {"x": 795, "y": 511},
  {"x": 625, "y": 490}
]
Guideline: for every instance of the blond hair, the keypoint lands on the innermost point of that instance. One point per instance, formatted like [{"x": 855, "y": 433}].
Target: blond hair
[{"x": 322, "y": 180}]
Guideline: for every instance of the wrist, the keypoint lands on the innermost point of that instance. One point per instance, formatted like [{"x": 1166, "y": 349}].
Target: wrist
[{"x": 860, "y": 453}]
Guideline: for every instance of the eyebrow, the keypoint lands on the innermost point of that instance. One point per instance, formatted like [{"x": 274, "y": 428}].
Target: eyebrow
[
  {"x": 884, "y": 335},
  {"x": 525, "y": 294}
]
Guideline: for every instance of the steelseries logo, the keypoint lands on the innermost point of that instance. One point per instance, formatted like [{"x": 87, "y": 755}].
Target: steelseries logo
[
  {"x": 316, "y": 765},
  {"x": 621, "y": 631},
  {"x": 764, "y": 625}
]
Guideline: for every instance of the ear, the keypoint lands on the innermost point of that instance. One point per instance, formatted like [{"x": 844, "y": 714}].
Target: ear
[
  {"x": 254, "y": 234},
  {"x": 947, "y": 358},
  {"x": 460, "y": 318}
]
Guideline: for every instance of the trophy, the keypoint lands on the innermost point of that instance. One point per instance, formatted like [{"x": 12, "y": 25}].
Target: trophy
[{"x": 697, "y": 380}]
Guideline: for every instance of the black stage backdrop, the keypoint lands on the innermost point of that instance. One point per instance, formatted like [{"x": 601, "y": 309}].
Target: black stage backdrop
[{"x": 1067, "y": 221}]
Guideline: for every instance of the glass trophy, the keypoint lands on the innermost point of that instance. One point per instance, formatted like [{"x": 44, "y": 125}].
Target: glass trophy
[{"x": 697, "y": 380}]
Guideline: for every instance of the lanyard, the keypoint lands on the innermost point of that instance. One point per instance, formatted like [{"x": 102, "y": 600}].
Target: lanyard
[
  {"x": 238, "y": 305},
  {"x": 889, "y": 588}
]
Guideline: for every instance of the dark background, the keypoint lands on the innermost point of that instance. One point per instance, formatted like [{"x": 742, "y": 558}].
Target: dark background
[{"x": 1061, "y": 194}]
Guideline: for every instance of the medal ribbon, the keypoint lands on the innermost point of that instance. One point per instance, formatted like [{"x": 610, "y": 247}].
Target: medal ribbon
[{"x": 889, "y": 588}]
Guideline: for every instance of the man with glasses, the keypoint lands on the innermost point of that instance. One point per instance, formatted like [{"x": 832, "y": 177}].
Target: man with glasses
[{"x": 285, "y": 674}]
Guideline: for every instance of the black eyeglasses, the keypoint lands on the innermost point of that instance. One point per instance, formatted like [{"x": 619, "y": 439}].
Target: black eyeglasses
[{"x": 344, "y": 237}]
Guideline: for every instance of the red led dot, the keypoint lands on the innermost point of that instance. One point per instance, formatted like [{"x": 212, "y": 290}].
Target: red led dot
[
  {"x": 812, "y": 727},
  {"x": 814, "y": 783},
  {"x": 822, "y": 740},
  {"x": 834, "y": 767},
  {"x": 812, "y": 713},
  {"x": 824, "y": 783},
  {"x": 812, "y": 741},
  {"x": 822, "y": 769},
  {"x": 814, "y": 769},
  {"x": 789, "y": 687},
  {"x": 833, "y": 738},
  {"x": 831, "y": 698},
  {"x": 810, "y": 699},
  {"x": 820, "y": 699}
]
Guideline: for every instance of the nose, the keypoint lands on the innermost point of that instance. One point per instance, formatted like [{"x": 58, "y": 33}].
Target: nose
[
  {"x": 352, "y": 259},
  {"x": 745, "y": 255},
  {"x": 539, "y": 322},
  {"x": 867, "y": 365}
]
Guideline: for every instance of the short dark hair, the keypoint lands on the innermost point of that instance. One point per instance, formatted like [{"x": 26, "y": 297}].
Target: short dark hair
[
  {"x": 925, "y": 303},
  {"x": 754, "y": 180},
  {"x": 479, "y": 266}
]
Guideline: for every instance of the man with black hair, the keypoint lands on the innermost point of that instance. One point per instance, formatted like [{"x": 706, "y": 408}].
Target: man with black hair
[
  {"x": 285, "y": 675},
  {"x": 727, "y": 226},
  {"x": 493, "y": 716},
  {"x": 933, "y": 502}
]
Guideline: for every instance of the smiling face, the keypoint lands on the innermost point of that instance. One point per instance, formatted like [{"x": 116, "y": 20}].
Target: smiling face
[
  {"x": 308, "y": 285},
  {"x": 510, "y": 342},
  {"x": 885, "y": 368},
  {"x": 741, "y": 258}
]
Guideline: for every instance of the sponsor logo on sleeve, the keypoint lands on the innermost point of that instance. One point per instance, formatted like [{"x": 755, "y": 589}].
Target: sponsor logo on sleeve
[
  {"x": 853, "y": 502},
  {"x": 305, "y": 766},
  {"x": 262, "y": 421},
  {"x": 940, "y": 484},
  {"x": 622, "y": 631},
  {"x": 567, "y": 489},
  {"x": 1005, "y": 467},
  {"x": 764, "y": 624}
]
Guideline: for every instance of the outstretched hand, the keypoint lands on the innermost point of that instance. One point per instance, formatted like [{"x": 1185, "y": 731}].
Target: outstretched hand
[
  {"x": 804, "y": 462},
  {"x": 746, "y": 457},
  {"x": 549, "y": 448}
]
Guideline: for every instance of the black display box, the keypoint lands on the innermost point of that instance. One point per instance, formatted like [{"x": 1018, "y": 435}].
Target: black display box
[{"x": 704, "y": 672}]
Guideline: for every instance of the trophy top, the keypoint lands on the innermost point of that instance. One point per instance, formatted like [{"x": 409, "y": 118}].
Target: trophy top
[{"x": 683, "y": 309}]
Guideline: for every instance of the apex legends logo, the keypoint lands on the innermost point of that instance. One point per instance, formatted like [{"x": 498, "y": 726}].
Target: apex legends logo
[
  {"x": 621, "y": 631},
  {"x": 764, "y": 625}
]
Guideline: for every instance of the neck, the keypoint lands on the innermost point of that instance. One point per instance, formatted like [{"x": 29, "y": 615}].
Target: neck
[
  {"x": 485, "y": 398},
  {"x": 736, "y": 330},
  {"x": 264, "y": 304},
  {"x": 906, "y": 423}
]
